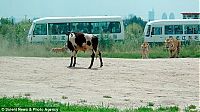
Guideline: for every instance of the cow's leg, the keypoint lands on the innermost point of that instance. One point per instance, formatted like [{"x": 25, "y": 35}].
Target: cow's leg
[
  {"x": 75, "y": 55},
  {"x": 100, "y": 58},
  {"x": 71, "y": 61},
  {"x": 92, "y": 60},
  {"x": 72, "y": 57}
]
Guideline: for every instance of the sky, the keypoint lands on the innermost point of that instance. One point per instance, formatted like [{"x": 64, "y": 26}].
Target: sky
[{"x": 124, "y": 8}]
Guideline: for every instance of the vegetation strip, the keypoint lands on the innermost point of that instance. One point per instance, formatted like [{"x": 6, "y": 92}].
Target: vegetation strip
[
  {"x": 26, "y": 103},
  {"x": 13, "y": 42}
]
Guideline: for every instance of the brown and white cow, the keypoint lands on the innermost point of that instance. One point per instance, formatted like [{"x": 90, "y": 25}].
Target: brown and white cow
[{"x": 78, "y": 41}]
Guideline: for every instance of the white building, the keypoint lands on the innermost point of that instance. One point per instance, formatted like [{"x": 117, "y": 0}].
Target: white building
[{"x": 191, "y": 15}]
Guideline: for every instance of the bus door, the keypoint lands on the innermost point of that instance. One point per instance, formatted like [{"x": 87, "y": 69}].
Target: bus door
[{"x": 40, "y": 33}]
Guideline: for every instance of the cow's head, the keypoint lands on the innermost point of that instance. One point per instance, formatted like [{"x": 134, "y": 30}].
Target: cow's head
[{"x": 71, "y": 34}]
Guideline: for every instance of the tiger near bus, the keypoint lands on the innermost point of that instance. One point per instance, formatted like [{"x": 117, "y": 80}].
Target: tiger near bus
[{"x": 173, "y": 45}]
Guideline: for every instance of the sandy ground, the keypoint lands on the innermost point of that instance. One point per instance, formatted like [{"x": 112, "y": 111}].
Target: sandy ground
[{"x": 128, "y": 82}]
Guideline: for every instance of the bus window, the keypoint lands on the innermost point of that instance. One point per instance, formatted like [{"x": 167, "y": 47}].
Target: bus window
[
  {"x": 169, "y": 29},
  {"x": 58, "y": 28},
  {"x": 103, "y": 27},
  {"x": 195, "y": 29},
  {"x": 178, "y": 29},
  {"x": 80, "y": 27},
  {"x": 90, "y": 27},
  {"x": 188, "y": 29},
  {"x": 114, "y": 27},
  {"x": 198, "y": 29},
  {"x": 40, "y": 29},
  {"x": 192, "y": 29},
  {"x": 96, "y": 28},
  {"x": 73, "y": 27},
  {"x": 84, "y": 27},
  {"x": 156, "y": 31}
]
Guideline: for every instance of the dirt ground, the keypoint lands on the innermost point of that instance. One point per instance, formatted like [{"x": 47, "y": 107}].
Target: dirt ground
[{"x": 123, "y": 83}]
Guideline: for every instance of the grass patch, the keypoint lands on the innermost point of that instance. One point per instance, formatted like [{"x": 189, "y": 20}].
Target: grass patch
[
  {"x": 66, "y": 107},
  {"x": 191, "y": 108},
  {"x": 150, "y": 109},
  {"x": 25, "y": 102}
]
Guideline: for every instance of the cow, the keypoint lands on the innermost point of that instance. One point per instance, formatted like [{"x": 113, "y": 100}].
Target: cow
[
  {"x": 78, "y": 41},
  {"x": 145, "y": 50},
  {"x": 173, "y": 45}
]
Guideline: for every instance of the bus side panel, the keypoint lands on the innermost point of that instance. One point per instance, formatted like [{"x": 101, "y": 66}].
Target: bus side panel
[{"x": 58, "y": 38}]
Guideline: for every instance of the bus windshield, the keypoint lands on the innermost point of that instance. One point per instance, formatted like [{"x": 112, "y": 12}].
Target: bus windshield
[{"x": 148, "y": 31}]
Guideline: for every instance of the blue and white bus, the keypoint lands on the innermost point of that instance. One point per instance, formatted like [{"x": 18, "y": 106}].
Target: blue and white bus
[
  {"x": 55, "y": 28},
  {"x": 181, "y": 29}
]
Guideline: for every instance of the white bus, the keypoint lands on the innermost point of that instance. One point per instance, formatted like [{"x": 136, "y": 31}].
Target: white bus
[
  {"x": 182, "y": 29},
  {"x": 55, "y": 28}
]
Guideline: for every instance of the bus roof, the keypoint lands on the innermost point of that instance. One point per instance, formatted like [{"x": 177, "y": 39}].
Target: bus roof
[
  {"x": 174, "y": 21},
  {"x": 78, "y": 19}
]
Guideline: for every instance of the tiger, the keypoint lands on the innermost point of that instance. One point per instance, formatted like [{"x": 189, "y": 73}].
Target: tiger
[
  {"x": 145, "y": 50},
  {"x": 173, "y": 45}
]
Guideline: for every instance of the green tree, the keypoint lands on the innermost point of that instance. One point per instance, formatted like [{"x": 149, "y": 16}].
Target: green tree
[
  {"x": 133, "y": 35},
  {"x": 134, "y": 19},
  {"x": 134, "y": 29},
  {"x": 14, "y": 34},
  {"x": 4, "y": 21}
]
